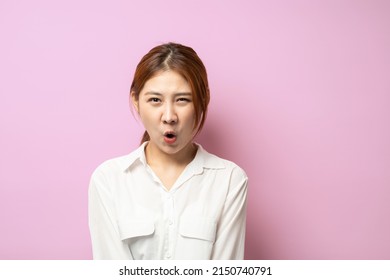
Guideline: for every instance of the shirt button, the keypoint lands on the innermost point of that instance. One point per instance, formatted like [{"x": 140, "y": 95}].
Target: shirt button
[
  {"x": 170, "y": 222},
  {"x": 168, "y": 256}
]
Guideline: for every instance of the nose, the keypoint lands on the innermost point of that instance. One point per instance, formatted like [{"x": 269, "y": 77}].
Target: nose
[{"x": 169, "y": 115}]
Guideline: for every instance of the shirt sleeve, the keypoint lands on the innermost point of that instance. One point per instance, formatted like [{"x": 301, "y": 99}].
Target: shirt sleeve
[
  {"x": 106, "y": 242},
  {"x": 230, "y": 240}
]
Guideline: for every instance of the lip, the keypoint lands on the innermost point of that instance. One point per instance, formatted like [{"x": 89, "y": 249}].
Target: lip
[{"x": 170, "y": 137}]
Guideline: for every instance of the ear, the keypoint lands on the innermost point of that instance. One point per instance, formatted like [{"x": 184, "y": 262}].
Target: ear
[{"x": 134, "y": 101}]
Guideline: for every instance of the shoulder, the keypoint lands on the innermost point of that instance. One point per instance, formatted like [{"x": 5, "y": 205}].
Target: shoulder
[
  {"x": 225, "y": 166},
  {"x": 110, "y": 165},
  {"x": 235, "y": 177},
  {"x": 116, "y": 165},
  {"x": 104, "y": 177}
]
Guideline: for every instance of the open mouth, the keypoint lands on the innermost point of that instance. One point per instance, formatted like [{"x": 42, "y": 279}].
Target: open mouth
[
  {"x": 169, "y": 134},
  {"x": 169, "y": 137}
]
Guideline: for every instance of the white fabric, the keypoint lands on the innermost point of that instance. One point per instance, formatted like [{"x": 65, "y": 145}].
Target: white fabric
[{"x": 133, "y": 216}]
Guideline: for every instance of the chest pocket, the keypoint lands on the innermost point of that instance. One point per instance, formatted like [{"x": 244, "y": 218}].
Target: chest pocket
[
  {"x": 138, "y": 235},
  {"x": 199, "y": 228},
  {"x": 196, "y": 238},
  {"x": 135, "y": 228}
]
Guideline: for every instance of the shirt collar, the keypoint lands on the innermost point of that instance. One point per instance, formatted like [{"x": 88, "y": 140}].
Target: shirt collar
[
  {"x": 137, "y": 155},
  {"x": 203, "y": 159}
]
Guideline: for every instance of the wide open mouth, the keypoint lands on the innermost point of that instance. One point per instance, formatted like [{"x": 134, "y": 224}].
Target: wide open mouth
[{"x": 170, "y": 134}]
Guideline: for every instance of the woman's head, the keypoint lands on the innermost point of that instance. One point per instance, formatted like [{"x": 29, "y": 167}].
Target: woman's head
[{"x": 182, "y": 60}]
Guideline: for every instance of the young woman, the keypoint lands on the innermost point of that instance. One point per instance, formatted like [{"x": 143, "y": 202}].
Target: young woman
[{"x": 170, "y": 198}]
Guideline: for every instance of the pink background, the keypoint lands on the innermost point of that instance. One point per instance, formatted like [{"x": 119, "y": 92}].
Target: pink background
[{"x": 300, "y": 99}]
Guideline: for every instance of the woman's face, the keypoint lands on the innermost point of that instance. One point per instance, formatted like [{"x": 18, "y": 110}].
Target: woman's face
[{"x": 166, "y": 109}]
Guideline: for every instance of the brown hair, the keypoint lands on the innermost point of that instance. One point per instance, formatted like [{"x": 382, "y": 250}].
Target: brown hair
[{"x": 185, "y": 61}]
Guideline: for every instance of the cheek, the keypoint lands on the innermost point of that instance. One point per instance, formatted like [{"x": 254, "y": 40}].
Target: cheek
[
  {"x": 144, "y": 109},
  {"x": 190, "y": 119},
  {"x": 147, "y": 116}
]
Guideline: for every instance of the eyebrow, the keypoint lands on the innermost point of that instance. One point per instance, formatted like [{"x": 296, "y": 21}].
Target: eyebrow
[{"x": 175, "y": 94}]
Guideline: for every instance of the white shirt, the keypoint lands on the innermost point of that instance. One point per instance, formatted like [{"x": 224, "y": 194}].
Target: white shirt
[{"x": 133, "y": 216}]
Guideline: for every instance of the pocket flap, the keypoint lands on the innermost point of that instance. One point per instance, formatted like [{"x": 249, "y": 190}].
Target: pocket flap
[
  {"x": 135, "y": 228},
  {"x": 198, "y": 227}
]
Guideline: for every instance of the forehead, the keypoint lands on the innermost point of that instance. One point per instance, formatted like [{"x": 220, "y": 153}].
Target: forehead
[{"x": 167, "y": 82}]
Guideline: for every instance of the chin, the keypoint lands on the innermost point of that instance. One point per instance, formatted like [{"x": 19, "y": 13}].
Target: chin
[{"x": 172, "y": 149}]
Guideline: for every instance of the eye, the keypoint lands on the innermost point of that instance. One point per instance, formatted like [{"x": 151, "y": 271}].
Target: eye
[
  {"x": 154, "y": 100},
  {"x": 183, "y": 100}
]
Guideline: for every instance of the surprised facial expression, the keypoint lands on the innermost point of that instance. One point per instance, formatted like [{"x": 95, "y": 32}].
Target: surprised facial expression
[{"x": 166, "y": 109}]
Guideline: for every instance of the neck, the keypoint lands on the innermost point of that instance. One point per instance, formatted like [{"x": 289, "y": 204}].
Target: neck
[{"x": 156, "y": 157}]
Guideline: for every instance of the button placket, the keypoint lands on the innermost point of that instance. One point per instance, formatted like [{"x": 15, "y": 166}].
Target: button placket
[{"x": 170, "y": 212}]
